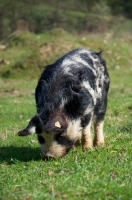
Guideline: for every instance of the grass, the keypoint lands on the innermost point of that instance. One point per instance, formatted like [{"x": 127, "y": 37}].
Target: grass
[{"x": 103, "y": 173}]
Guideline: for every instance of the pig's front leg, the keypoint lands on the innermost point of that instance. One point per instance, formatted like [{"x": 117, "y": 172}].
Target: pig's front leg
[{"x": 87, "y": 142}]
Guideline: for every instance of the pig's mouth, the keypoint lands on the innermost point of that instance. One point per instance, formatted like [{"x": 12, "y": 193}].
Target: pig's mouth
[{"x": 49, "y": 156}]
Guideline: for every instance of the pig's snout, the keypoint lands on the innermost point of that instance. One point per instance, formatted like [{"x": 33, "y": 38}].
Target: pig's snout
[{"x": 48, "y": 156}]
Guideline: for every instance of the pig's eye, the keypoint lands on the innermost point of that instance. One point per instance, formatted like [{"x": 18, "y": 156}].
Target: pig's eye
[
  {"x": 75, "y": 88},
  {"x": 58, "y": 136},
  {"x": 41, "y": 139}
]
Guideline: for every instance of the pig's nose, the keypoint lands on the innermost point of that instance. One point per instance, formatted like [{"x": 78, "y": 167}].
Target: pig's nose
[{"x": 49, "y": 155}]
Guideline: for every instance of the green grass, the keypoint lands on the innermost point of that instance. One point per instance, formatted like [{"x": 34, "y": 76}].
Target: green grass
[{"x": 103, "y": 173}]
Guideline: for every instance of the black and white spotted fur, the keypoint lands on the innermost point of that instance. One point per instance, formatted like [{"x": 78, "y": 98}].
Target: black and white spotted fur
[{"x": 72, "y": 91}]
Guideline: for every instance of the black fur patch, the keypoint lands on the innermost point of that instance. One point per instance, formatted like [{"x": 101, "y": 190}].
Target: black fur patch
[
  {"x": 77, "y": 104},
  {"x": 65, "y": 141},
  {"x": 41, "y": 139},
  {"x": 85, "y": 120}
]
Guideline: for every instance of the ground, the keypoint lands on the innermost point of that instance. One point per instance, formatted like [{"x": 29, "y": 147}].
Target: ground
[{"x": 101, "y": 173}]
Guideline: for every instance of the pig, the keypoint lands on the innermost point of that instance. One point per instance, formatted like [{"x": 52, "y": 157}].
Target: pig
[{"x": 70, "y": 95}]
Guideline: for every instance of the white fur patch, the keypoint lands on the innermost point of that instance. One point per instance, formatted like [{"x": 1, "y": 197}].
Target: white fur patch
[
  {"x": 78, "y": 59},
  {"x": 52, "y": 147},
  {"x": 67, "y": 62},
  {"x": 32, "y": 130},
  {"x": 63, "y": 103},
  {"x": 90, "y": 90},
  {"x": 74, "y": 60},
  {"x": 89, "y": 109},
  {"x": 87, "y": 51},
  {"x": 74, "y": 130}
]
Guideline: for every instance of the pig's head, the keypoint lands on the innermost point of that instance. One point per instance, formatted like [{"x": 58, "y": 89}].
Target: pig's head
[{"x": 51, "y": 134}]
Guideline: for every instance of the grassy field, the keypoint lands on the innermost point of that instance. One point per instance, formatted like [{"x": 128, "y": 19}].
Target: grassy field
[{"x": 102, "y": 173}]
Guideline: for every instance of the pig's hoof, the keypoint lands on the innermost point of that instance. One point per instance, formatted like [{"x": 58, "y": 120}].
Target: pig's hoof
[
  {"x": 86, "y": 147},
  {"x": 99, "y": 143}
]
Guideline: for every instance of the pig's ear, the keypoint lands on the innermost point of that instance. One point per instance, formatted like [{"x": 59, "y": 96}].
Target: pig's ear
[{"x": 30, "y": 129}]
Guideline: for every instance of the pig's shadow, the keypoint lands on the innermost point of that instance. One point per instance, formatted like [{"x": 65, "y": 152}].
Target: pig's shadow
[{"x": 12, "y": 154}]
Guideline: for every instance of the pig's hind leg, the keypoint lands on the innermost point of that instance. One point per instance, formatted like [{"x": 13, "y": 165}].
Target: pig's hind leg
[
  {"x": 99, "y": 122},
  {"x": 99, "y": 135}
]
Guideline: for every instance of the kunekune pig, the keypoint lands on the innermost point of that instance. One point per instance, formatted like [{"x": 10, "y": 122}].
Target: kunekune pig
[{"x": 71, "y": 93}]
